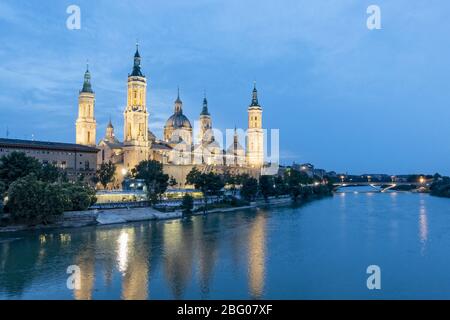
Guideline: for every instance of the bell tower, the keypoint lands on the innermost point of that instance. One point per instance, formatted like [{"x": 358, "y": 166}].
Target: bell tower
[
  {"x": 86, "y": 125},
  {"x": 136, "y": 145},
  {"x": 255, "y": 133},
  {"x": 205, "y": 134}
]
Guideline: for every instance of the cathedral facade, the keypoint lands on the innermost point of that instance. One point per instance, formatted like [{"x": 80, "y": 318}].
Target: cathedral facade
[{"x": 180, "y": 148}]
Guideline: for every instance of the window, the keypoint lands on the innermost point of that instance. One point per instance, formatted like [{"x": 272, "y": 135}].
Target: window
[{"x": 86, "y": 165}]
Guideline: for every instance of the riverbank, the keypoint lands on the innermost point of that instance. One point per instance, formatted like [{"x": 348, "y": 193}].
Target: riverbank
[{"x": 78, "y": 219}]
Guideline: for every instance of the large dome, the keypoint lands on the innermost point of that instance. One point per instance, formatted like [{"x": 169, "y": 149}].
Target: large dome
[{"x": 178, "y": 121}]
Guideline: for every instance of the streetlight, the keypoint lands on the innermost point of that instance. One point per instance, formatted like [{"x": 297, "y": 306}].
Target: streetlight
[
  {"x": 422, "y": 180},
  {"x": 342, "y": 179}
]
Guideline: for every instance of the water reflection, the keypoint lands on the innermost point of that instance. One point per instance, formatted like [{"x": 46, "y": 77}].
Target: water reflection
[
  {"x": 178, "y": 254},
  {"x": 85, "y": 259},
  {"x": 257, "y": 257},
  {"x": 423, "y": 225},
  {"x": 136, "y": 273},
  {"x": 248, "y": 254},
  {"x": 206, "y": 245}
]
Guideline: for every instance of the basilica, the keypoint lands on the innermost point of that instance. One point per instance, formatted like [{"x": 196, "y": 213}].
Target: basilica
[{"x": 178, "y": 150}]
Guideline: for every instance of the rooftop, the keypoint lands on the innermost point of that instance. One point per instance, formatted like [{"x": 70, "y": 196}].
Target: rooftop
[{"x": 18, "y": 143}]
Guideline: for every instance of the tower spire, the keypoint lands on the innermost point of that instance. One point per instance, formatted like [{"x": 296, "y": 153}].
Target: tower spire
[
  {"x": 178, "y": 102},
  {"x": 87, "y": 87},
  {"x": 205, "y": 111},
  {"x": 110, "y": 123},
  {"x": 137, "y": 63},
  {"x": 254, "y": 95}
]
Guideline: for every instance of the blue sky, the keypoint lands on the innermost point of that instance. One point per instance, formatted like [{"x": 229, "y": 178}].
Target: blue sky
[{"x": 344, "y": 98}]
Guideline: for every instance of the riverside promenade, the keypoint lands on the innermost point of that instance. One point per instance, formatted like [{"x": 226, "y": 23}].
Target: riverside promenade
[{"x": 77, "y": 219}]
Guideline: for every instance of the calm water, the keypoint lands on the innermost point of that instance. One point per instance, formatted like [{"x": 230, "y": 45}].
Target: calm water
[{"x": 318, "y": 250}]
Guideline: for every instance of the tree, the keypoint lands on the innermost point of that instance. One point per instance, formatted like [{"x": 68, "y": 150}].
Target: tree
[
  {"x": 280, "y": 186},
  {"x": 231, "y": 181},
  {"x": 17, "y": 165},
  {"x": 187, "y": 204},
  {"x": 49, "y": 173},
  {"x": 78, "y": 196},
  {"x": 105, "y": 174},
  {"x": 266, "y": 186},
  {"x": 155, "y": 180},
  {"x": 295, "y": 181},
  {"x": 172, "y": 182},
  {"x": 2, "y": 189},
  {"x": 35, "y": 201},
  {"x": 249, "y": 187},
  {"x": 209, "y": 184}
]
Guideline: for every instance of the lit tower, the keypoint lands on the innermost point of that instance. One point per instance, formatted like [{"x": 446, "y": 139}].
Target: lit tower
[
  {"x": 255, "y": 134},
  {"x": 205, "y": 124},
  {"x": 85, "y": 124},
  {"x": 136, "y": 145}
]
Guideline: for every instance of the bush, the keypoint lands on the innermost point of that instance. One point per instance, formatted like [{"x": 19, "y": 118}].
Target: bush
[
  {"x": 35, "y": 201},
  {"x": 187, "y": 204},
  {"x": 441, "y": 188},
  {"x": 77, "y": 196},
  {"x": 17, "y": 165}
]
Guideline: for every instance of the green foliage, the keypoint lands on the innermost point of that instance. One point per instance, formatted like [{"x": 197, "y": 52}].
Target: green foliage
[
  {"x": 441, "y": 187},
  {"x": 232, "y": 181},
  {"x": 77, "y": 196},
  {"x": 39, "y": 192},
  {"x": 210, "y": 184},
  {"x": 249, "y": 187},
  {"x": 295, "y": 181},
  {"x": 156, "y": 181},
  {"x": 281, "y": 187},
  {"x": 105, "y": 174},
  {"x": 35, "y": 201},
  {"x": 172, "y": 182},
  {"x": 3, "y": 189},
  {"x": 266, "y": 186},
  {"x": 49, "y": 173},
  {"x": 187, "y": 204},
  {"x": 17, "y": 165}
]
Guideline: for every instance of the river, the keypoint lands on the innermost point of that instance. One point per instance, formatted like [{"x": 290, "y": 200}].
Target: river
[{"x": 319, "y": 250}]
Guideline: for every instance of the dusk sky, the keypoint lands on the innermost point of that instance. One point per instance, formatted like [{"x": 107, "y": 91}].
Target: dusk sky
[{"x": 344, "y": 97}]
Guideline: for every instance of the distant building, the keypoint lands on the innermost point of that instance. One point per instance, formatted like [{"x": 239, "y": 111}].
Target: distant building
[{"x": 73, "y": 158}]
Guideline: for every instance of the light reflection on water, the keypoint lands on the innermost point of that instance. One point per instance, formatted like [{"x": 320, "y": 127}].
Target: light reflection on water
[{"x": 318, "y": 250}]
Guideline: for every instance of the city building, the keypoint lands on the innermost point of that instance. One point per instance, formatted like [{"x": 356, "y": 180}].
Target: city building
[
  {"x": 178, "y": 151},
  {"x": 75, "y": 159}
]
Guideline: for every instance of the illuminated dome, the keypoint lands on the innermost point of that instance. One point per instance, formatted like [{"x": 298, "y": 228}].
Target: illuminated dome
[{"x": 178, "y": 121}]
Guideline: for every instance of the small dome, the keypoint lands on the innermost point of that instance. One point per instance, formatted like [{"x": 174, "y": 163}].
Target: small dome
[{"x": 178, "y": 121}]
